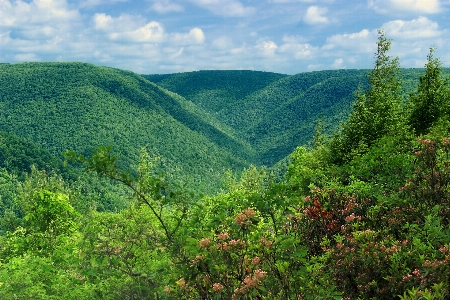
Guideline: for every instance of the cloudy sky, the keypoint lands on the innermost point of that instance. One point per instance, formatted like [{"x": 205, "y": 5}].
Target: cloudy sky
[{"x": 168, "y": 36}]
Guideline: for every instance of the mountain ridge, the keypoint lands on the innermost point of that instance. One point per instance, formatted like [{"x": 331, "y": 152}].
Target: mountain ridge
[{"x": 202, "y": 123}]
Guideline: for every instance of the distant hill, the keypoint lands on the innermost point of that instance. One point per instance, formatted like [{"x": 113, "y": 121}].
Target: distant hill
[
  {"x": 274, "y": 112},
  {"x": 215, "y": 90}
]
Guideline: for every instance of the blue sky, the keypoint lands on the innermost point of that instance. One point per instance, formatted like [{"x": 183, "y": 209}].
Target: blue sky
[{"x": 168, "y": 36}]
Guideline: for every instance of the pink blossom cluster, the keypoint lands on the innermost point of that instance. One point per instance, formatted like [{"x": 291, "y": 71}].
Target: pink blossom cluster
[{"x": 250, "y": 282}]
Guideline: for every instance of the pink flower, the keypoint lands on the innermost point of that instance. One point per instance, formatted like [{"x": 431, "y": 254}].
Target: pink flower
[
  {"x": 265, "y": 242},
  {"x": 182, "y": 284},
  {"x": 217, "y": 287},
  {"x": 259, "y": 274},
  {"x": 223, "y": 236},
  {"x": 249, "y": 212},
  {"x": 240, "y": 219},
  {"x": 204, "y": 243},
  {"x": 256, "y": 261}
]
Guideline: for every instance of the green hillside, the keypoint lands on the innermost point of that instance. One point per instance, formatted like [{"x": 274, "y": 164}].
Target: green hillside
[
  {"x": 200, "y": 123},
  {"x": 215, "y": 90},
  {"x": 275, "y": 113},
  {"x": 283, "y": 115},
  {"x": 18, "y": 155},
  {"x": 76, "y": 106}
]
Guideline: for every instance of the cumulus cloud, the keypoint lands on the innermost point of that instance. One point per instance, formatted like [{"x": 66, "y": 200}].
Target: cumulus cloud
[
  {"x": 32, "y": 29},
  {"x": 227, "y": 8},
  {"x": 195, "y": 36},
  {"x": 421, "y": 27},
  {"x": 26, "y": 57},
  {"x": 315, "y": 15},
  {"x": 222, "y": 42},
  {"x": 20, "y": 14},
  {"x": 151, "y": 32},
  {"x": 292, "y": 1},
  {"x": 102, "y": 21},
  {"x": 266, "y": 48},
  {"x": 296, "y": 47},
  {"x": 362, "y": 41},
  {"x": 93, "y": 3},
  {"x": 130, "y": 29},
  {"x": 338, "y": 63},
  {"x": 395, "y": 6},
  {"x": 165, "y": 6}
]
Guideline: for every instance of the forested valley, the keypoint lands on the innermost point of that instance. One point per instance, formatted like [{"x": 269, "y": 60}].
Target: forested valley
[{"x": 225, "y": 184}]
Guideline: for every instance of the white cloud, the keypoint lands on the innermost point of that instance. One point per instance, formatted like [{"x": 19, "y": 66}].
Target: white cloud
[
  {"x": 166, "y": 6},
  {"x": 151, "y": 32},
  {"x": 338, "y": 63},
  {"x": 20, "y": 14},
  {"x": 292, "y": 1},
  {"x": 315, "y": 15},
  {"x": 266, "y": 48},
  {"x": 395, "y": 6},
  {"x": 222, "y": 42},
  {"x": 122, "y": 23},
  {"x": 293, "y": 47},
  {"x": 127, "y": 28},
  {"x": 418, "y": 28},
  {"x": 93, "y": 3},
  {"x": 362, "y": 41},
  {"x": 102, "y": 21},
  {"x": 26, "y": 57},
  {"x": 31, "y": 30},
  {"x": 195, "y": 36},
  {"x": 227, "y": 8}
]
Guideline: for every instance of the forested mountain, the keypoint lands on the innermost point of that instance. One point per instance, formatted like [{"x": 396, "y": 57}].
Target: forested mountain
[
  {"x": 273, "y": 112},
  {"x": 201, "y": 123},
  {"x": 214, "y": 91},
  {"x": 75, "y": 106}
]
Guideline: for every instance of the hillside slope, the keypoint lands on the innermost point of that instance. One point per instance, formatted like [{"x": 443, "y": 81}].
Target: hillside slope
[
  {"x": 77, "y": 106},
  {"x": 214, "y": 91},
  {"x": 275, "y": 113}
]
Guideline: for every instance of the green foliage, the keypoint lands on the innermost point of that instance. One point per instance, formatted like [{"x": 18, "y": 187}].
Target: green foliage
[
  {"x": 431, "y": 102},
  {"x": 376, "y": 111}
]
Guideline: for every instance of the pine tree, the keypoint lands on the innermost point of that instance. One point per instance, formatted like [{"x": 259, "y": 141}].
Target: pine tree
[
  {"x": 376, "y": 111},
  {"x": 430, "y": 103}
]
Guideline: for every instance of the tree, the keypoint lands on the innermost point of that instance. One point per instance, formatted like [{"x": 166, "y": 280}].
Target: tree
[
  {"x": 376, "y": 111},
  {"x": 429, "y": 104}
]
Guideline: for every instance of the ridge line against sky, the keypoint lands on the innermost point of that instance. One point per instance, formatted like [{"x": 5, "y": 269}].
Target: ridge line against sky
[{"x": 168, "y": 36}]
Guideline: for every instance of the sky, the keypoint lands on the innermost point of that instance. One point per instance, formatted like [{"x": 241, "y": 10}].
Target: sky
[{"x": 171, "y": 36}]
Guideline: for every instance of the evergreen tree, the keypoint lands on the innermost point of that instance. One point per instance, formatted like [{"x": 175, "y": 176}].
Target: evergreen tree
[
  {"x": 430, "y": 103},
  {"x": 376, "y": 111}
]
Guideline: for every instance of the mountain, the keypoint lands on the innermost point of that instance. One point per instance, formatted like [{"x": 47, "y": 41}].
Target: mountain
[
  {"x": 77, "y": 106},
  {"x": 200, "y": 123},
  {"x": 214, "y": 91},
  {"x": 275, "y": 113}
]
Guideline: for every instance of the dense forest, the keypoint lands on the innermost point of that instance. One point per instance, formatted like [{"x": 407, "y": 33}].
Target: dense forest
[{"x": 225, "y": 184}]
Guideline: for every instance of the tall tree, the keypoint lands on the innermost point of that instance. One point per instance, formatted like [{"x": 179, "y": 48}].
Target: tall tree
[
  {"x": 376, "y": 111},
  {"x": 430, "y": 103}
]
